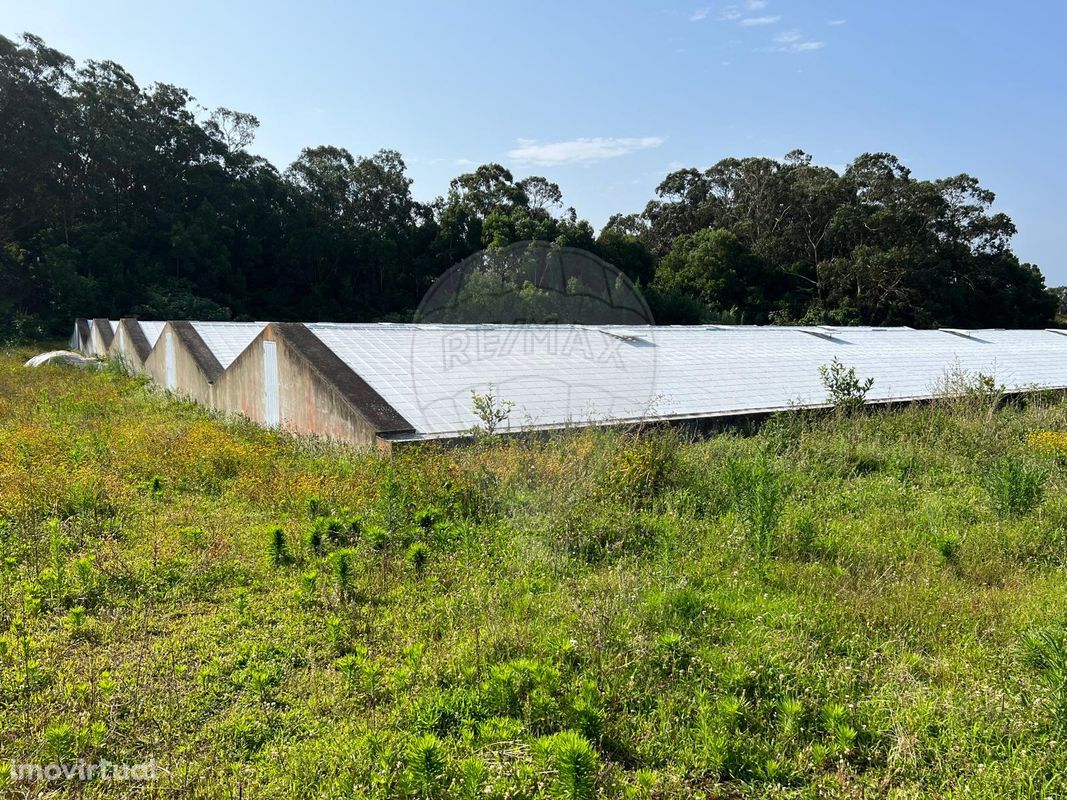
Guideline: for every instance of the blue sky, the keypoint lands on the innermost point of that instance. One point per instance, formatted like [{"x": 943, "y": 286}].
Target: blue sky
[{"x": 606, "y": 97}]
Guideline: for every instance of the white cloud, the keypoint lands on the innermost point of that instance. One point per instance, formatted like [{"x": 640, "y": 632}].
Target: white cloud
[
  {"x": 788, "y": 37},
  {"x": 730, "y": 13},
  {"x": 699, "y": 14},
  {"x": 578, "y": 151},
  {"x": 755, "y": 5},
  {"x": 798, "y": 46},
  {"x": 836, "y": 21},
  {"x": 463, "y": 162},
  {"x": 749, "y": 22}
]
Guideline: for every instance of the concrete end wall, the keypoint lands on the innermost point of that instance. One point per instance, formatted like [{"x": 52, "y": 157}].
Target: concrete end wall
[
  {"x": 122, "y": 348},
  {"x": 191, "y": 382},
  {"x": 98, "y": 342},
  {"x": 308, "y": 404}
]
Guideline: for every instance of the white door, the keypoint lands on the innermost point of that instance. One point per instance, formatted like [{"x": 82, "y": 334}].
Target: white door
[
  {"x": 172, "y": 370},
  {"x": 272, "y": 417}
]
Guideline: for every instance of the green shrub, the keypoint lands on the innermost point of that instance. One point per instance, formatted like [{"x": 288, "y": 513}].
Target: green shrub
[
  {"x": 671, "y": 653},
  {"x": 76, "y": 618},
  {"x": 844, "y": 390},
  {"x": 333, "y": 531},
  {"x": 948, "y": 546},
  {"x": 1015, "y": 487},
  {"x": 526, "y": 689},
  {"x": 473, "y": 776},
  {"x": 1045, "y": 652},
  {"x": 316, "y": 538},
  {"x": 343, "y": 566},
  {"x": 587, "y": 711},
  {"x": 573, "y": 764},
  {"x": 426, "y": 766},
  {"x": 278, "y": 547},
  {"x": 427, "y": 518},
  {"x": 446, "y": 711},
  {"x": 316, "y": 507},
  {"x": 417, "y": 556},
  {"x": 195, "y": 536},
  {"x": 376, "y": 536}
]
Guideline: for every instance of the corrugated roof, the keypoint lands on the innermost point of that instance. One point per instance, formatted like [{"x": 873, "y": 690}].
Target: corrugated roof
[
  {"x": 227, "y": 340},
  {"x": 557, "y": 375}
]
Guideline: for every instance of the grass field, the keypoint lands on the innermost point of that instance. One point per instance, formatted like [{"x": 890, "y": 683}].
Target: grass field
[{"x": 840, "y": 605}]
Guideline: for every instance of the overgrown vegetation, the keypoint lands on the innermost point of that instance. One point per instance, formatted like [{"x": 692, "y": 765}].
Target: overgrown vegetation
[{"x": 833, "y": 605}]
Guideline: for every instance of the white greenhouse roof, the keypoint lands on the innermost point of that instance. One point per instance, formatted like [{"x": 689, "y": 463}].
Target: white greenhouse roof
[
  {"x": 569, "y": 374},
  {"x": 151, "y": 330},
  {"x": 227, "y": 340}
]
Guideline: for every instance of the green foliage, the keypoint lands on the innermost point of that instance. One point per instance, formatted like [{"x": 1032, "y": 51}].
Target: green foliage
[
  {"x": 214, "y": 232},
  {"x": 343, "y": 566},
  {"x": 1015, "y": 486},
  {"x": 715, "y": 267},
  {"x": 426, "y": 766},
  {"x": 616, "y": 613},
  {"x": 844, "y": 390},
  {"x": 278, "y": 547},
  {"x": 473, "y": 776},
  {"x": 574, "y": 764},
  {"x": 418, "y": 554},
  {"x": 756, "y": 496},
  {"x": 1045, "y": 652},
  {"x": 490, "y": 410}
]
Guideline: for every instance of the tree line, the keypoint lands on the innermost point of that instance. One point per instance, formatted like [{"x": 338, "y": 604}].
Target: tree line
[{"x": 119, "y": 200}]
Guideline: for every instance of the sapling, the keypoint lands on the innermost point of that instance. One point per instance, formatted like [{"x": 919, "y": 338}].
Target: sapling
[
  {"x": 343, "y": 563},
  {"x": 278, "y": 548},
  {"x": 418, "y": 554}
]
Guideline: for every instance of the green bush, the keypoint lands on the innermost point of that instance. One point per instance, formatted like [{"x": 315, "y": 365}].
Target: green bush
[
  {"x": 1015, "y": 486},
  {"x": 844, "y": 390}
]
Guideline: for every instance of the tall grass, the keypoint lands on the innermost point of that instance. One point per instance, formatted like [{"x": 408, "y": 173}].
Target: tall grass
[{"x": 830, "y": 605}]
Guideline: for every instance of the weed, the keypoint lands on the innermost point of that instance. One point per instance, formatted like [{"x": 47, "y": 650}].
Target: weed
[
  {"x": 574, "y": 766},
  {"x": 376, "y": 536},
  {"x": 948, "y": 546},
  {"x": 195, "y": 536},
  {"x": 1015, "y": 487},
  {"x": 970, "y": 393},
  {"x": 473, "y": 777},
  {"x": 756, "y": 494},
  {"x": 342, "y": 564},
  {"x": 278, "y": 547},
  {"x": 417, "y": 556},
  {"x": 316, "y": 507},
  {"x": 426, "y": 766},
  {"x": 589, "y": 628},
  {"x": 1045, "y": 652},
  {"x": 76, "y": 619}
]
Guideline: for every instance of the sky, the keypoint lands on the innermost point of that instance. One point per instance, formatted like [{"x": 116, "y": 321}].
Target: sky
[{"x": 605, "y": 98}]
